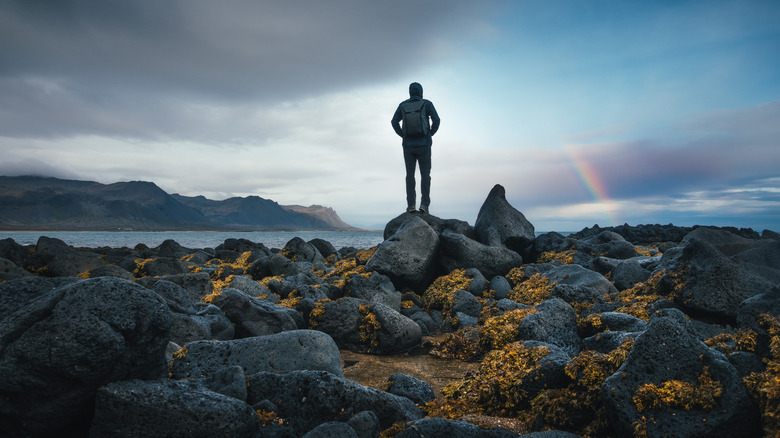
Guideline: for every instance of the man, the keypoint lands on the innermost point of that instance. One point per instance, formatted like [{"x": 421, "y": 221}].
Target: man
[{"x": 420, "y": 123}]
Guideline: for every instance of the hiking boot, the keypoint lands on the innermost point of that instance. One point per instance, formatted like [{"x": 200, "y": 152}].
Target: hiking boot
[
  {"x": 423, "y": 209},
  {"x": 410, "y": 209}
]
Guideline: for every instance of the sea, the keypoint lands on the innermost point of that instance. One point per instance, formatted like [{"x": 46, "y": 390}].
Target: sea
[{"x": 197, "y": 239}]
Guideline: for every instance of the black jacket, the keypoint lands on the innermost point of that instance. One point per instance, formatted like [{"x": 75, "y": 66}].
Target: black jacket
[{"x": 415, "y": 94}]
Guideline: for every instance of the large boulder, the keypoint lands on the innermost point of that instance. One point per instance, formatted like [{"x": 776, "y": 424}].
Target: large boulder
[
  {"x": 281, "y": 352},
  {"x": 554, "y": 322},
  {"x": 59, "y": 348},
  {"x": 703, "y": 279},
  {"x": 763, "y": 261},
  {"x": 408, "y": 256},
  {"x": 193, "y": 321},
  {"x": 674, "y": 385},
  {"x": 54, "y": 258},
  {"x": 724, "y": 241},
  {"x": 170, "y": 408},
  {"x": 306, "y": 399},
  {"x": 576, "y": 275},
  {"x": 197, "y": 284},
  {"x": 299, "y": 250},
  {"x": 500, "y": 224},
  {"x": 9, "y": 270},
  {"x": 376, "y": 288},
  {"x": 460, "y": 252},
  {"x": 256, "y": 317},
  {"x": 365, "y": 326},
  {"x": 438, "y": 225},
  {"x": 410, "y": 387}
]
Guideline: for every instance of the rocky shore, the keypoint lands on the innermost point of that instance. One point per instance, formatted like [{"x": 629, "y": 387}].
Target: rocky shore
[{"x": 650, "y": 330}]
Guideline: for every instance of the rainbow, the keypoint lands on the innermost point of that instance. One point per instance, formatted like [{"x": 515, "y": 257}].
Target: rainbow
[{"x": 593, "y": 184}]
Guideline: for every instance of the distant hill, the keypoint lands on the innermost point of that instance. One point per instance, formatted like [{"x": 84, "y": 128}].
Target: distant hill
[{"x": 38, "y": 203}]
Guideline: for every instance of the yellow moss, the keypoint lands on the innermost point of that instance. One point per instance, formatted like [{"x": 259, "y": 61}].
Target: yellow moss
[
  {"x": 680, "y": 394},
  {"x": 501, "y": 330},
  {"x": 589, "y": 369},
  {"x": 746, "y": 339},
  {"x": 291, "y": 302},
  {"x": 181, "y": 353},
  {"x": 345, "y": 269},
  {"x": 369, "y": 326},
  {"x": 363, "y": 256},
  {"x": 643, "y": 251},
  {"x": 590, "y": 324},
  {"x": 139, "y": 266},
  {"x": 268, "y": 418},
  {"x": 84, "y": 275},
  {"x": 566, "y": 257},
  {"x": 764, "y": 387},
  {"x": 532, "y": 291},
  {"x": 407, "y": 304},
  {"x": 636, "y": 300},
  {"x": 440, "y": 293},
  {"x": 317, "y": 312}
]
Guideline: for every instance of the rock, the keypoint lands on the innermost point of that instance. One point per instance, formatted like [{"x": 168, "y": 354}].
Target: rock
[
  {"x": 440, "y": 427},
  {"x": 554, "y": 323},
  {"x": 229, "y": 381},
  {"x": 408, "y": 256},
  {"x": 605, "y": 342},
  {"x": 438, "y": 225},
  {"x": 278, "y": 353},
  {"x": 364, "y": 326},
  {"x": 628, "y": 273},
  {"x": 577, "y": 293},
  {"x": 466, "y": 303},
  {"x": 198, "y": 284},
  {"x": 500, "y": 285},
  {"x": 499, "y": 224},
  {"x": 306, "y": 399},
  {"x": 458, "y": 251},
  {"x": 171, "y": 248},
  {"x": 377, "y": 288},
  {"x": 748, "y": 316},
  {"x": 763, "y": 261},
  {"x": 325, "y": 248},
  {"x": 727, "y": 243},
  {"x": 576, "y": 275},
  {"x": 272, "y": 266},
  {"x": 159, "y": 267},
  {"x": 170, "y": 408},
  {"x": 256, "y": 317},
  {"x": 299, "y": 250},
  {"x": 9, "y": 270},
  {"x": 331, "y": 429},
  {"x": 668, "y": 351},
  {"x": 616, "y": 321},
  {"x": 57, "y": 349},
  {"x": 249, "y": 286},
  {"x": 12, "y": 251},
  {"x": 365, "y": 424},
  {"x": 410, "y": 387},
  {"x": 110, "y": 271},
  {"x": 54, "y": 258},
  {"x": 241, "y": 246},
  {"x": 702, "y": 279}
]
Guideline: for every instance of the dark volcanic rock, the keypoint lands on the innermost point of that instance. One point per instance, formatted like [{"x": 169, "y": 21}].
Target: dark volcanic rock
[
  {"x": 54, "y": 258},
  {"x": 500, "y": 224},
  {"x": 256, "y": 317},
  {"x": 408, "y": 256},
  {"x": 438, "y": 225},
  {"x": 458, "y": 251},
  {"x": 440, "y": 427},
  {"x": 365, "y": 326},
  {"x": 669, "y": 351},
  {"x": 554, "y": 323},
  {"x": 410, "y": 387},
  {"x": 282, "y": 352},
  {"x": 197, "y": 284},
  {"x": 309, "y": 398},
  {"x": 59, "y": 348},
  {"x": 170, "y": 408}
]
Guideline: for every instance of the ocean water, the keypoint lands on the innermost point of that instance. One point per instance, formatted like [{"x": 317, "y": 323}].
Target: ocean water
[{"x": 195, "y": 239}]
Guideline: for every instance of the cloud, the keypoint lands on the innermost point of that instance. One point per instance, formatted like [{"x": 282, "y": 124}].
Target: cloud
[{"x": 143, "y": 69}]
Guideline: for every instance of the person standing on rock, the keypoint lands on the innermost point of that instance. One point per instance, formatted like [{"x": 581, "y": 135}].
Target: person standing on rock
[{"x": 416, "y": 121}]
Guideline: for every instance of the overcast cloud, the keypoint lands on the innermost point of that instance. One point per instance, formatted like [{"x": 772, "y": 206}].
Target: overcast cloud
[{"x": 587, "y": 112}]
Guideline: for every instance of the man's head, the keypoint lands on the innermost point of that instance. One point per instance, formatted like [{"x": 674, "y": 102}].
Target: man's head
[{"x": 415, "y": 90}]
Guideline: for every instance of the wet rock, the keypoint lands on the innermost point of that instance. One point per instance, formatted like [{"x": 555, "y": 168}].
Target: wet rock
[
  {"x": 466, "y": 303},
  {"x": 281, "y": 352},
  {"x": 170, "y": 408},
  {"x": 499, "y": 224},
  {"x": 408, "y": 256},
  {"x": 451, "y": 428},
  {"x": 458, "y": 251},
  {"x": 670, "y": 351},
  {"x": 57, "y": 349},
  {"x": 307, "y": 399}
]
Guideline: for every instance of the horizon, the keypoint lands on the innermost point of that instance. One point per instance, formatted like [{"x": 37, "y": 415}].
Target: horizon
[{"x": 587, "y": 113}]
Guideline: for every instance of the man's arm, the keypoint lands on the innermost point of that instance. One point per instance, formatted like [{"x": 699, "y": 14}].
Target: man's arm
[
  {"x": 434, "y": 117},
  {"x": 396, "y": 122}
]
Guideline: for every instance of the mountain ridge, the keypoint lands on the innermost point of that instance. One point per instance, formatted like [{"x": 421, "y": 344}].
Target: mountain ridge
[{"x": 46, "y": 203}]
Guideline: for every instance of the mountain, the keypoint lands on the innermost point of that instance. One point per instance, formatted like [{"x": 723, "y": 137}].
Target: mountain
[
  {"x": 38, "y": 203},
  {"x": 326, "y": 214}
]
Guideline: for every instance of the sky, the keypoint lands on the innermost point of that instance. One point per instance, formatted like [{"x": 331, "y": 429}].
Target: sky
[{"x": 587, "y": 112}]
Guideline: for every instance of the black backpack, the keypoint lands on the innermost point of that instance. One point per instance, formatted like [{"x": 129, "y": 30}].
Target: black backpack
[{"x": 415, "y": 119}]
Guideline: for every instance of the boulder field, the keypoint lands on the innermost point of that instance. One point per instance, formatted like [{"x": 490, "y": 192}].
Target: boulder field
[{"x": 648, "y": 331}]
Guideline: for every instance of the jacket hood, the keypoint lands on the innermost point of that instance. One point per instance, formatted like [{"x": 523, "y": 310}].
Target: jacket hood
[{"x": 415, "y": 90}]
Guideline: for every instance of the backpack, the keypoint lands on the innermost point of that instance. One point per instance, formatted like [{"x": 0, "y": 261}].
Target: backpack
[{"x": 415, "y": 119}]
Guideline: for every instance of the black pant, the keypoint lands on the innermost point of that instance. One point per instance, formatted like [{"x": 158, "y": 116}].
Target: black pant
[{"x": 412, "y": 156}]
